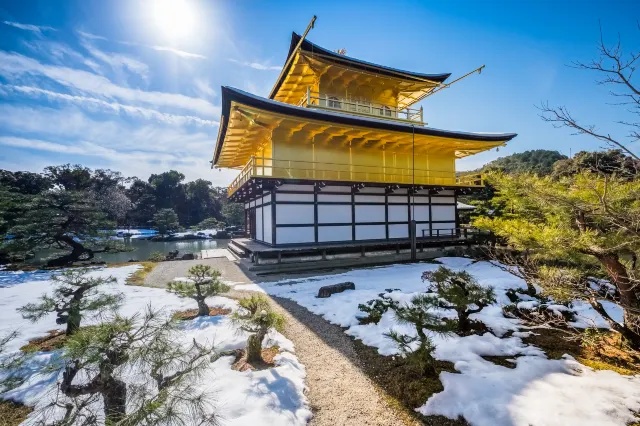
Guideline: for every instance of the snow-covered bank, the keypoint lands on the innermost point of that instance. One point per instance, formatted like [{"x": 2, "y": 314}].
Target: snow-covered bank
[
  {"x": 538, "y": 391},
  {"x": 269, "y": 397}
]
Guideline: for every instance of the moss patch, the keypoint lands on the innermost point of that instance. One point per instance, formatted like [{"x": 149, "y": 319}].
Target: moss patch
[
  {"x": 137, "y": 278},
  {"x": 190, "y": 314},
  {"x": 402, "y": 387},
  {"x": 52, "y": 341},
  {"x": 12, "y": 413},
  {"x": 501, "y": 360}
]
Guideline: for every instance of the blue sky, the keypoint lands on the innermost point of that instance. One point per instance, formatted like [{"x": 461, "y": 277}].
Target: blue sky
[{"x": 120, "y": 84}]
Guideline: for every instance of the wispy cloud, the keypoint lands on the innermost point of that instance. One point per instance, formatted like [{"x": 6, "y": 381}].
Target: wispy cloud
[
  {"x": 28, "y": 27},
  {"x": 255, "y": 65},
  {"x": 117, "y": 61},
  {"x": 169, "y": 49},
  {"x": 16, "y": 65},
  {"x": 91, "y": 36},
  {"x": 177, "y": 52},
  {"x": 94, "y": 105},
  {"x": 131, "y": 148},
  {"x": 203, "y": 87}
]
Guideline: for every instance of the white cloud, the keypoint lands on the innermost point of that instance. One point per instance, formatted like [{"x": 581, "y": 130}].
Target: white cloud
[
  {"x": 94, "y": 104},
  {"x": 91, "y": 36},
  {"x": 204, "y": 87},
  {"x": 116, "y": 61},
  {"x": 181, "y": 53},
  {"x": 136, "y": 150},
  {"x": 256, "y": 65},
  {"x": 27, "y": 27},
  {"x": 16, "y": 65},
  {"x": 169, "y": 49}
]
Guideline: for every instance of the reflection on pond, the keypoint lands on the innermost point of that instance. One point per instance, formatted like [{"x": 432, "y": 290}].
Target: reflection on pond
[{"x": 143, "y": 248}]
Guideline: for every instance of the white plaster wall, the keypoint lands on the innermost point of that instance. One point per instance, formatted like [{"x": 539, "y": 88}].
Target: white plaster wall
[
  {"x": 421, "y": 212},
  {"x": 420, "y": 227},
  {"x": 266, "y": 212},
  {"x": 369, "y": 199},
  {"x": 398, "y": 213},
  {"x": 443, "y": 212},
  {"x": 334, "y": 198},
  {"x": 266, "y": 198},
  {"x": 369, "y": 213},
  {"x": 370, "y": 232},
  {"x": 334, "y": 213},
  {"x": 259, "y": 230},
  {"x": 334, "y": 233},
  {"x": 336, "y": 189},
  {"x": 443, "y": 200},
  {"x": 399, "y": 231},
  {"x": 291, "y": 187},
  {"x": 372, "y": 190},
  {"x": 295, "y": 235},
  {"x": 294, "y": 197},
  {"x": 294, "y": 213},
  {"x": 420, "y": 200},
  {"x": 446, "y": 192},
  {"x": 402, "y": 199}
]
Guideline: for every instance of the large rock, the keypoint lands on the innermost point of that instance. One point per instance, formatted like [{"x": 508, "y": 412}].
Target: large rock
[
  {"x": 328, "y": 290},
  {"x": 188, "y": 256}
]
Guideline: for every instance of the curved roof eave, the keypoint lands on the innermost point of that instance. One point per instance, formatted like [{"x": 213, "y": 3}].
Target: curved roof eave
[
  {"x": 230, "y": 94},
  {"x": 356, "y": 63}
]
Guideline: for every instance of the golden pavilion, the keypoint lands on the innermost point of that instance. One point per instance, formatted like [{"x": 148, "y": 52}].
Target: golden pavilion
[{"x": 340, "y": 152}]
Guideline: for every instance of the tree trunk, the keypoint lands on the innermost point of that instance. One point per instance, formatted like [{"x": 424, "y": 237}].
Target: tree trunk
[
  {"x": 463, "y": 321},
  {"x": 203, "y": 309},
  {"x": 77, "y": 250},
  {"x": 114, "y": 394},
  {"x": 254, "y": 347},
  {"x": 629, "y": 298},
  {"x": 73, "y": 320}
]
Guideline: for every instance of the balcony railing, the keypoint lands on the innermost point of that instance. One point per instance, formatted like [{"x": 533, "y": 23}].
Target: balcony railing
[
  {"x": 295, "y": 169},
  {"x": 316, "y": 100}
]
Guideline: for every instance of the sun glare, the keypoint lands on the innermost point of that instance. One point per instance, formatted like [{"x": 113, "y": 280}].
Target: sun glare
[{"x": 174, "y": 18}]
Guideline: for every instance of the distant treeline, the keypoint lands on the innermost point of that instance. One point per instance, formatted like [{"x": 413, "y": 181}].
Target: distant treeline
[{"x": 125, "y": 201}]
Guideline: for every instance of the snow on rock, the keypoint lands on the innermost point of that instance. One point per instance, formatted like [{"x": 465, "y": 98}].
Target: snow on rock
[
  {"x": 269, "y": 397},
  {"x": 537, "y": 391}
]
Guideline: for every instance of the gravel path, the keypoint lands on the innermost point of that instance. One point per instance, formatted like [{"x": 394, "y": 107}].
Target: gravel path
[{"x": 340, "y": 394}]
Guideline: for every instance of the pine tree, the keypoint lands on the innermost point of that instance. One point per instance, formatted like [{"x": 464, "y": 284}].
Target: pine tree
[
  {"x": 419, "y": 312},
  {"x": 75, "y": 294},
  {"x": 204, "y": 282},
  {"x": 571, "y": 228},
  {"x": 166, "y": 221},
  {"x": 96, "y": 360},
  {"x": 459, "y": 291},
  {"x": 257, "y": 318}
]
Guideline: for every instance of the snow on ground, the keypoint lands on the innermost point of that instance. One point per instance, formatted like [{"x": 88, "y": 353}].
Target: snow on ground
[
  {"x": 538, "y": 391},
  {"x": 269, "y": 397}
]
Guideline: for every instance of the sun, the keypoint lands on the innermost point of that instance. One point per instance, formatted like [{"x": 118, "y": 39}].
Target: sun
[{"x": 174, "y": 18}]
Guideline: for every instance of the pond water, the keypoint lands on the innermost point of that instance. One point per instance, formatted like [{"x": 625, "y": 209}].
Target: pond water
[{"x": 142, "y": 249}]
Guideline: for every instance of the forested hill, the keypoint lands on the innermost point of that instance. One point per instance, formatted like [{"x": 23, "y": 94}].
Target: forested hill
[{"x": 539, "y": 161}]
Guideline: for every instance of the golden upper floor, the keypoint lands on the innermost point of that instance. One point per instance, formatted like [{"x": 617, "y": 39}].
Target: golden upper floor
[{"x": 319, "y": 78}]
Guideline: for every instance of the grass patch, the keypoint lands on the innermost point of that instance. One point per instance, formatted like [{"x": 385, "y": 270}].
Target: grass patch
[
  {"x": 13, "y": 413},
  {"x": 402, "y": 387},
  {"x": 137, "y": 278},
  {"x": 52, "y": 341},
  {"x": 193, "y": 313},
  {"x": 611, "y": 355}
]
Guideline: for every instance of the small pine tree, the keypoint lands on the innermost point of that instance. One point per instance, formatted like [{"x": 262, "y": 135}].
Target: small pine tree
[
  {"x": 75, "y": 294},
  {"x": 258, "y": 318},
  {"x": 204, "y": 282},
  {"x": 166, "y": 221},
  {"x": 419, "y": 313},
  {"x": 97, "y": 359},
  {"x": 458, "y": 291}
]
